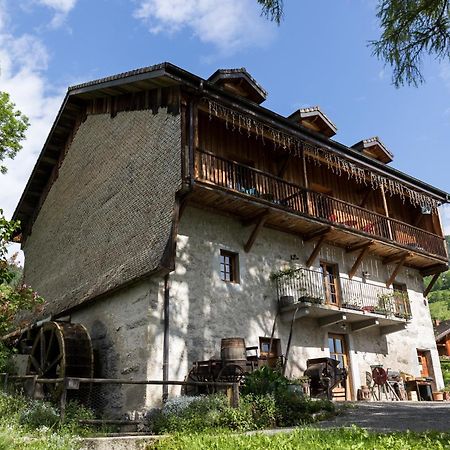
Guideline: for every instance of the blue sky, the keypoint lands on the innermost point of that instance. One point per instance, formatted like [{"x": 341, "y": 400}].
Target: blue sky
[{"x": 317, "y": 56}]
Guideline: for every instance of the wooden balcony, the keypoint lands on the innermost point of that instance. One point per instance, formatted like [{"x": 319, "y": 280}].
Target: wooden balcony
[
  {"x": 313, "y": 210},
  {"x": 311, "y": 293}
]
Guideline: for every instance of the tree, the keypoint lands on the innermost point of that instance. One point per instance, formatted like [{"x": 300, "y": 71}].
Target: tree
[
  {"x": 14, "y": 296},
  {"x": 410, "y": 29},
  {"x": 13, "y": 125},
  {"x": 272, "y": 9}
]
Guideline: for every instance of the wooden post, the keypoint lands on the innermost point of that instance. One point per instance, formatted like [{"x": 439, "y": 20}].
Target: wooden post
[
  {"x": 233, "y": 395},
  {"x": 386, "y": 212},
  {"x": 63, "y": 401},
  {"x": 305, "y": 181}
]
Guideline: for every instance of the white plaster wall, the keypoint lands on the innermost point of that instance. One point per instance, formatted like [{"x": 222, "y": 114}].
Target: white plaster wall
[{"x": 205, "y": 309}]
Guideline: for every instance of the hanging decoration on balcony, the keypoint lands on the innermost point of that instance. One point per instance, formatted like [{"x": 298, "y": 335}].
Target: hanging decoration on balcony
[{"x": 243, "y": 123}]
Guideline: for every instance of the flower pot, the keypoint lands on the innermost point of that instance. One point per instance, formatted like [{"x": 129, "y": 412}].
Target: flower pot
[
  {"x": 438, "y": 396},
  {"x": 446, "y": 396}
]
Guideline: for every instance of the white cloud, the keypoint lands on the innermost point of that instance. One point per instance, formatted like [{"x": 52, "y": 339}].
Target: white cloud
[
  {"x": 61, "y": 9},
  {"x": 23, "y": 61},
  {"x": 445, "y": 217},
  {"x": 227, "y": 24}
]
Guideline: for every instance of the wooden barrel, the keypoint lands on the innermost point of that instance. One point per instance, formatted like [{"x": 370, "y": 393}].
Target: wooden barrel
[{"x": 232, "y": 349}]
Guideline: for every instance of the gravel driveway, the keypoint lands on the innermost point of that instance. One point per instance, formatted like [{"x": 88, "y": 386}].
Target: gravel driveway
[{"x": 394, "y": 416}]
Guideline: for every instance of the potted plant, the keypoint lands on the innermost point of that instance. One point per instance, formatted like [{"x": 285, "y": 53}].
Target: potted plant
[{"x": 287, "y": 275}]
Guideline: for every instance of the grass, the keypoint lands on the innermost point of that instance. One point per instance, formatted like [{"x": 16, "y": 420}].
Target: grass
[{"x": 308, "y": 439}]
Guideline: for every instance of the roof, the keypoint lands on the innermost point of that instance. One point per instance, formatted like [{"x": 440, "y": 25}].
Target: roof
[
  {"x": 375, "y": 146},
  {"x": 166, "y": 75},
  {"x": 313, "y": 114},
  {"x": 254, "y": 91},
  {"x": 442, "y": 329}
]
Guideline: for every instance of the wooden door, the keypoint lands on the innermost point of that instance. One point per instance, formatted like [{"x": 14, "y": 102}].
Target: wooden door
[
  {"x": 338, "y": 350},
  {"x": 423, "y": 363},
  {"x": 330, "y": 275}
]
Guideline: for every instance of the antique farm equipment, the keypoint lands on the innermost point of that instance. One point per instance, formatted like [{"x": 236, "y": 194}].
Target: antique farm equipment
[
  {"x": 60, "y": 350},
  {"x": 234, "y": 365},
  {"x": 324, "y": 375}
]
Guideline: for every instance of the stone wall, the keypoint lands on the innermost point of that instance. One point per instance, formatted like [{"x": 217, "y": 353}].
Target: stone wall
[
  {"x": 127, "y": 336},
  {"x": 107, "y": 218},
  {"x": 205, "y": 309}
]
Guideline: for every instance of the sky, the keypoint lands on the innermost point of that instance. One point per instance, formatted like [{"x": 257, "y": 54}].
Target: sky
[{"x": 319, "y": 55}]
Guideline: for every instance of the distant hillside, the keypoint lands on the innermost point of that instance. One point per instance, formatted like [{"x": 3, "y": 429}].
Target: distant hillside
[{"x": 439, "y": 297}]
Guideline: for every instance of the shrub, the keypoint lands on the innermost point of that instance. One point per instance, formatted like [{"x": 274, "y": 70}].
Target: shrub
[
  {"x": 39, "y": 414},
  {"x": 265, "y": 381},
  {"x": 202, "y": 413}
]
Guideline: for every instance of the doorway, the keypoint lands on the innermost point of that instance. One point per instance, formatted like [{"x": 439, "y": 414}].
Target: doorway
[
  {"x": 338, "y": 350},
  {"x": 330, "y": 276}
]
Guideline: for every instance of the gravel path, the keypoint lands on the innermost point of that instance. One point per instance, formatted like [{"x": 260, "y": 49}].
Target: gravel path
[{"x": 394, "y": 416}]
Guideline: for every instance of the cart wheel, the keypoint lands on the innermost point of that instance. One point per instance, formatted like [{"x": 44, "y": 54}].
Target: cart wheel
[
  {"x": 191, "y": 389},
  {"x": 379, "y": 376},
  {"x": 232, "y": 373}
]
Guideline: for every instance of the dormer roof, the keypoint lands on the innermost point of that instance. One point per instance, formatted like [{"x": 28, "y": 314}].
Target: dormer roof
[
  {"x": 314, "y": 119},
  {"x": 239, "y": 82},
  {"x": 374, "y": 148}
]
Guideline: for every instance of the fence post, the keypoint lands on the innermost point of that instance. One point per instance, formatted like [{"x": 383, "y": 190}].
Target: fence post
[
  {"x": 63, "y": 400},
  {"x": 234, "y": 391}
]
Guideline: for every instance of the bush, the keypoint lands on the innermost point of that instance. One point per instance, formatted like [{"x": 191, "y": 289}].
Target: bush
[
  {"x": 39, "y": 414},
  {"x": 265, "y": 381},
  {"x": 291, "y": 406},
  {"x": 201, "y": 413}
]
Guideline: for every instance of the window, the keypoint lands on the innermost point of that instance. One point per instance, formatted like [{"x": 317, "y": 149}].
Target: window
[
  {"x": 229, "y": 266},
  {"x": 330, "y": 274}
]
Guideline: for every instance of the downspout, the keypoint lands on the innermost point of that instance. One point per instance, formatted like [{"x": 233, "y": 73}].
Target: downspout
[{"x": 165, "y": 394}]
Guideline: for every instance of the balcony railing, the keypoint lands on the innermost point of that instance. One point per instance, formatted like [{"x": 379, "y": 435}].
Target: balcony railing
[
  {"x": 249, "y": 181},
  {"x": 310, "y": 286}
]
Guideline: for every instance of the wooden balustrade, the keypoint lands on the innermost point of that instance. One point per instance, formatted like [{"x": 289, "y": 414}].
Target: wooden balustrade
[{"x": 258, "y": 184}]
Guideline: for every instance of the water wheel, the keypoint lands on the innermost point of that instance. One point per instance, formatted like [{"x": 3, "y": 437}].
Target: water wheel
[{"x": 60, "y": 350}]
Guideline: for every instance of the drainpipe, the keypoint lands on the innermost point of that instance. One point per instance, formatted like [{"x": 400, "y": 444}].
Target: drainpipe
[{"x": 165, "y": 394}]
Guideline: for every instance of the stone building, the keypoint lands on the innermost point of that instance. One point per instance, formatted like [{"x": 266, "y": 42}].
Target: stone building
[{"x": 167, "y": 211}]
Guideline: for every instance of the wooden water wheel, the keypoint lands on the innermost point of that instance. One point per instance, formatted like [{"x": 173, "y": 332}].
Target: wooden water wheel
[{"x": 61, "y": 350}]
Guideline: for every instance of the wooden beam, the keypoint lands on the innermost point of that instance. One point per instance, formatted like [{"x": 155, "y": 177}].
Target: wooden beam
[
  {"x": 431, "y": 284},
  {"x": 356, "y": 247},
  {"x": 358, "y": 261},
  {"x": 332, "y": 320},
  {"x": 316, "y": 234},
  {"x": 396, "y": 270},
  {"x": 394, "y": 258},
  {"x": 386, "y": 211},
  {"x": 435, "y": 268},
  {"x": 251, "y": 240},
  {"x": 387, "y": 329},
  {"x": 254, "y": 219},
  {"x": 364, "y": 324},
  {"x": 316, "y": 250}
]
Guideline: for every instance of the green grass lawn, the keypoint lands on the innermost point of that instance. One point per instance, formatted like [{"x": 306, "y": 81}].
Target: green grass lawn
[{"x": 307, "y": 439}]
